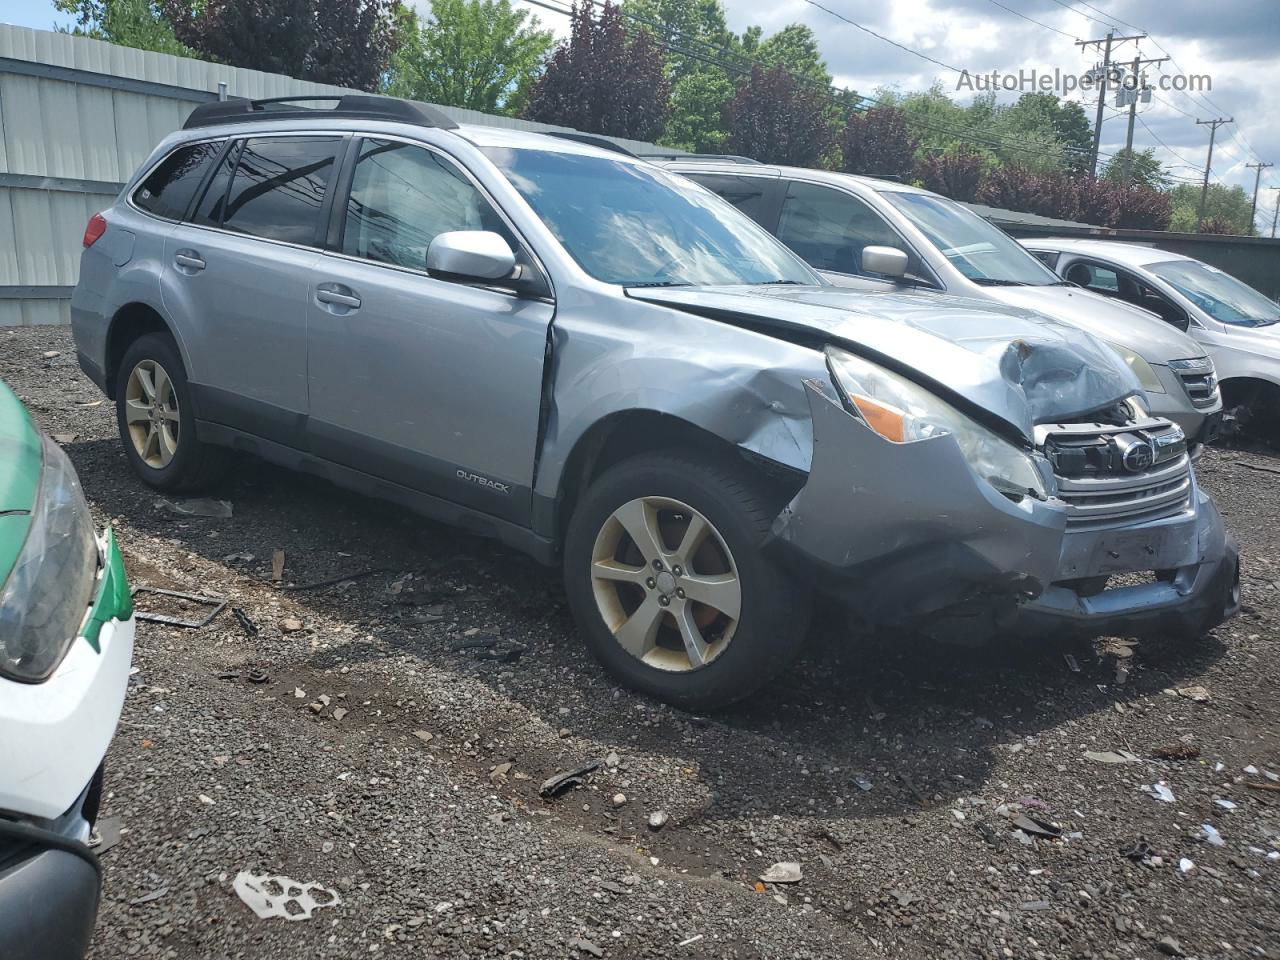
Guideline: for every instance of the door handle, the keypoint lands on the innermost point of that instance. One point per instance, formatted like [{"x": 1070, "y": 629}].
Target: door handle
[
  {"x": 189, "y": 259},
  {"x": 337, "y": 295}
]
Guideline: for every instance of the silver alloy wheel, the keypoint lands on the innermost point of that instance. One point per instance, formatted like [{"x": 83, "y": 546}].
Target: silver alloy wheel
[
  {"x": 151, "y": 414},
  {"x": 674, "y": 607}
]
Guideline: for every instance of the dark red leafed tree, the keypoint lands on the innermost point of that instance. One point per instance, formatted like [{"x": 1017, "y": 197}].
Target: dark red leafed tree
[
  {"x": 775, "y": 119},
  {"x": 1012, "y": 186},
  {"x": 604, "y": 79},
  {"x": 878, "y": 143},
  {"x": 347, "y": 43},
  {"x": 1145, "y": 208},
  {"x": 956, "y": 175}
]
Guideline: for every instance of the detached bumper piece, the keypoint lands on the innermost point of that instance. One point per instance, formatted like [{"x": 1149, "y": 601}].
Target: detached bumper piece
[
  {"x": 907, "y": 535},
  {"x": 49, "y": 891}
]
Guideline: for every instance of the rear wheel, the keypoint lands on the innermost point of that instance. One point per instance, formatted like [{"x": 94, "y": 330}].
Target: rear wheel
[
  {"x": 670, "y": 587},
  {"x": 156, "y": 420}
]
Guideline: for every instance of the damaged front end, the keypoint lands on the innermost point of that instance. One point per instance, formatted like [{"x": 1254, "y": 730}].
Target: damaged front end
[{"x": 1082, "y": 521}]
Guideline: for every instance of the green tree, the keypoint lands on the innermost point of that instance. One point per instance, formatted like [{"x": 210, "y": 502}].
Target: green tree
[
  {"x": 692, "y": 33},
  {"x": 796, "y": 48},
  {"x": 1145, "y": 170},
  {"x": 478, "y": 54},
  {"x": 1227, "y": 206},
  {"x": 130, "y": 23},
  {"x": 1070, "y": 125}
]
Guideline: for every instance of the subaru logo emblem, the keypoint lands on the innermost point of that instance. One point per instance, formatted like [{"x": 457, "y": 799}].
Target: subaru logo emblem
[{"x": 1139, "y": 457}]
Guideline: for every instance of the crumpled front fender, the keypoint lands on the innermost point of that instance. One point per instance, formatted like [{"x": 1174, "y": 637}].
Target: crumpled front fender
[{"x": 909, "y": 527}]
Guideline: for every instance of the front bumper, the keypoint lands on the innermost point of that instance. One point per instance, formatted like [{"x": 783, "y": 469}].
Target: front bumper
[
  {"x": 53, "y": 735},
  {"x": 907, "y": 535}
]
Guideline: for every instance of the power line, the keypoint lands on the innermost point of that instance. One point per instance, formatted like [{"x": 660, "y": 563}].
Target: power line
[
  {"x": 915, "y": 53},
  {"x": 744, "y": 68},
  {"x": 1033, "y": 20}
]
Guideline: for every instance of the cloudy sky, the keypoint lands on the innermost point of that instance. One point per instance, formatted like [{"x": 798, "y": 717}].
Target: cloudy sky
[{"x": 1235, "y": 42}]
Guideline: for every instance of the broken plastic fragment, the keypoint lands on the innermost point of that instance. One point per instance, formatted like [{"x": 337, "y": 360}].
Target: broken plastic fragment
[
  {"x": 1211, "y": 834},
  {"x": 785, "y": 872},
  {"x": 269, "y": 896}
]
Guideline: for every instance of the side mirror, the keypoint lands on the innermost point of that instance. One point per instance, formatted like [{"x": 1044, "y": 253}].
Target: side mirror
[
  {"x": 473, "y": 254},
  {"x": 886, "y": 261}
]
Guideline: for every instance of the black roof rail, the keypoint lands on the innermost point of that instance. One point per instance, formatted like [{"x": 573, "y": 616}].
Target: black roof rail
[
  {"x": 347, "y": 106},
  {"x": 604, "y": 143},
  {"x": 726, "y": 157}
]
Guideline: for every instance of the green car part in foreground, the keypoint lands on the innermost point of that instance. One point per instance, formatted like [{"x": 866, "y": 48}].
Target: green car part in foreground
[{"x": 66, "y": 644}]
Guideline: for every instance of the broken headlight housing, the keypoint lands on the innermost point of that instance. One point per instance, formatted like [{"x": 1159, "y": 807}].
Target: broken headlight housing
[
  {"x": 901, "y": 411},
  {"x": 44, "y": 601}
]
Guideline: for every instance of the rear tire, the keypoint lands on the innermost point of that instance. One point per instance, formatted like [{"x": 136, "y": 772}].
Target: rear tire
[
  {"x": 705, "y": 521},
  {"x": 157, "y": 421}
]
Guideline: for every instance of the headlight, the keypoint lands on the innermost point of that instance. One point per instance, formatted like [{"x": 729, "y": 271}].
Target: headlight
[
  {"x": 44, "y": 602},
  {"x": 902, "y": 411},
  {"x": 1145, "y": 373}
]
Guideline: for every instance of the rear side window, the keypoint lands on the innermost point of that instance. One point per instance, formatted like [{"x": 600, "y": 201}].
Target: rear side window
[
  {"x": 748, "y": 194},
  {"x": 829, "y": 228},
  {"x": 402, "y": 197},
  {"x": 167, "y": 192},
  {"x": 209, "y": 210},
  {"x": 278, "y": 187}
]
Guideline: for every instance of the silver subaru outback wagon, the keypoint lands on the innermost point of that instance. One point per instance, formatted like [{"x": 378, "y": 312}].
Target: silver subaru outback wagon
[{"x": 611, "y": 368}]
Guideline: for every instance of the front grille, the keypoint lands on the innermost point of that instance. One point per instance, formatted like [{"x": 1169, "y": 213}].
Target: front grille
[
  {"x": 1199, "y": 379},
  {"x": 1110, "y": 476}
]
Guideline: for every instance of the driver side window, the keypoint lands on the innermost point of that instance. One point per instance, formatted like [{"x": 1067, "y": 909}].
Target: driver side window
[
  {"x": 830, "y": 228},
  {"x": 402, "y": 197}
]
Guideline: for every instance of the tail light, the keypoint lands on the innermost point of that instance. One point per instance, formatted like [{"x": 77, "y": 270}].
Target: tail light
[{"x": 96, "y": 228}]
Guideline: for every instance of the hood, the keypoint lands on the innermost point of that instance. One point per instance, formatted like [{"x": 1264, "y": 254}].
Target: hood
[
  {"x": 1263, "y": 341},
  {"x": 1141, "y": 331},
  {"x": 1011, "y": 364}
]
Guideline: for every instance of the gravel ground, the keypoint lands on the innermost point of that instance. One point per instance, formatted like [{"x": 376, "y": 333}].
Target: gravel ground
[{"x": 383, "y": 758}]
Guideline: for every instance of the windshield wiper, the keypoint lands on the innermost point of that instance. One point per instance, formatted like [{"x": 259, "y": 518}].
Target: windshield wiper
[
  {"x": 659, "y": 283},
  {"x": 778, "y": 283},
  {"x": 996, "y": 282}
]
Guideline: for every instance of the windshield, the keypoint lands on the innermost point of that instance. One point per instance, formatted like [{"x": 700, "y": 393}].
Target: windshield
[
  {"x": 636, "y": 225},
  {"x": 1218, "y": 294},
  {"x": 982, "y": 252}
]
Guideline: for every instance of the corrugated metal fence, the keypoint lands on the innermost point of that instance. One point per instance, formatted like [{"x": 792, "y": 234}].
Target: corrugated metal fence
[{"x": 77, "y": 117}]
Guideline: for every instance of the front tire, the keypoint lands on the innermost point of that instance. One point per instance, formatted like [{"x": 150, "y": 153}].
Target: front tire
[
  {"x": 157, "y": 421},
  {"x": 670, "y": 586}
]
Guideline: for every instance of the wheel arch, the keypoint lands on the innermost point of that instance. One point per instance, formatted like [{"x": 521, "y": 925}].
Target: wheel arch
[
  {"x": 624, "y": 434},
  {"x": 131, "y": 321}
]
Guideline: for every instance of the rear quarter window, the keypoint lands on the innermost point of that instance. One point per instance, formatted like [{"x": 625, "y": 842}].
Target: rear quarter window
[{"x": 167, "y": 192}]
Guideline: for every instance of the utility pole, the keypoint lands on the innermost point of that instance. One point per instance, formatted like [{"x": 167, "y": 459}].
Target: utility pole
[
  {"x": 1104, "y": 74},
  {"x": 1140, "y": 90},
  {"x": 1275, "y": 216},
  {"x": 1213, "y": 126},
  {"x": 1257, "y": 179}
]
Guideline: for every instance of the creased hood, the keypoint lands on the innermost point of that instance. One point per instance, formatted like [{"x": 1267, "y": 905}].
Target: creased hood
[
  {"x": 1140, "y": 330},
  {"x": 1015, "y": 365}
]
